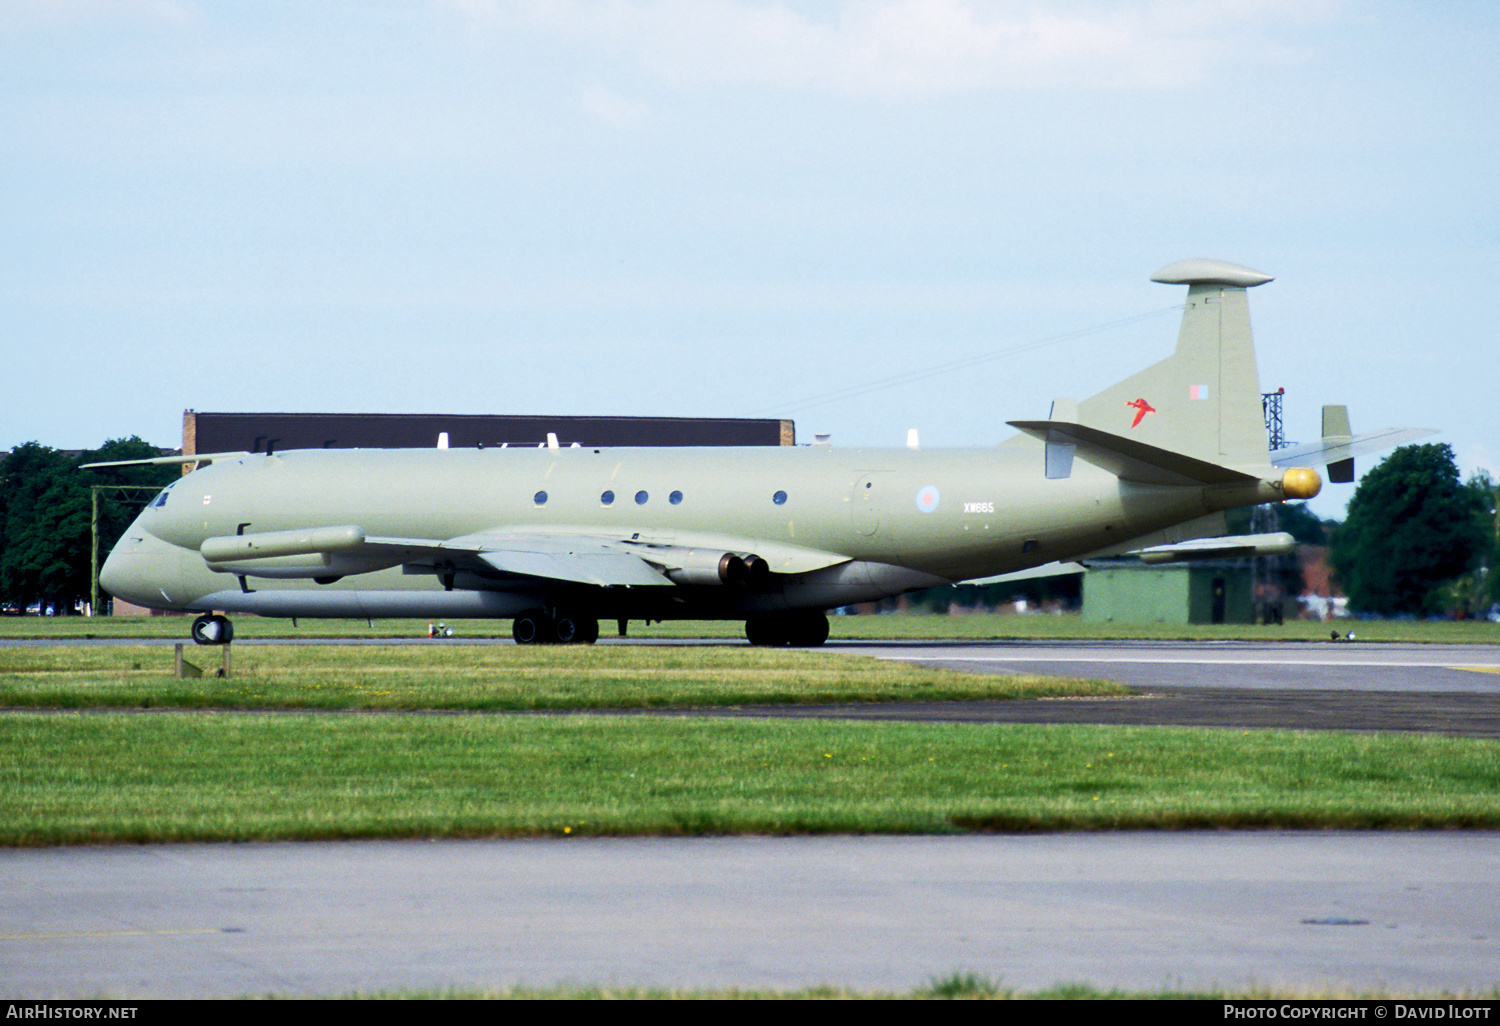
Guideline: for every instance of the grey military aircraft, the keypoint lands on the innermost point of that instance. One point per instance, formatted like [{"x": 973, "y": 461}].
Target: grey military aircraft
[{"x": 557, "y": 538}]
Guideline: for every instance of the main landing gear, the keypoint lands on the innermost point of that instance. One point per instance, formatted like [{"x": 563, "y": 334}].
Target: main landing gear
[
  {"x": 798, "y": 630},
  {"x": 536, "y": 627},
  {"x": 213, "y": 629}
]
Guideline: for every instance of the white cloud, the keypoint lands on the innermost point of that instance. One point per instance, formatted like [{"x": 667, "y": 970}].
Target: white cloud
[{"x": 919, "y": 47}]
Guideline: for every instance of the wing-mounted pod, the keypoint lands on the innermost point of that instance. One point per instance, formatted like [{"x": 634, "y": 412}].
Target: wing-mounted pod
[{"x": 321, "y": 554}]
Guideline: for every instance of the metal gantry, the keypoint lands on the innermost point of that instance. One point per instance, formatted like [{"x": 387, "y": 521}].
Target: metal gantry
[
  {"x": 1270, "y": 406},
  {"x": 1265, "y": 574}
]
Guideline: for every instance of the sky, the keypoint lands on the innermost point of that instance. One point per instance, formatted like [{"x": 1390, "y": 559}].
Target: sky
[{"x": 866, "y": 216}]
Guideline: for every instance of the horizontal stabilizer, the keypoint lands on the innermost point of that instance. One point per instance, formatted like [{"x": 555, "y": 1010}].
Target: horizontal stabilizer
[
  {"x": 1233, "y": 546},
  {"x": 1129, "y": 459},
  {"x": 1317, "y": 454}
]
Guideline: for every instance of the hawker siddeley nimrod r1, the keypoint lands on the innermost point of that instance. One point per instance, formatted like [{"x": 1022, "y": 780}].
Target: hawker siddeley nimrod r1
[{"x": 558, "y": 538}]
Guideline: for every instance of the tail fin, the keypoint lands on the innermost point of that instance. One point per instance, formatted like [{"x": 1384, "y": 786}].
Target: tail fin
[{"x": 1202, "y": 401}]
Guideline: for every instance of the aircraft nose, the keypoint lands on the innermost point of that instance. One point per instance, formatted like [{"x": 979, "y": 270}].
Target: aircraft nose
[
  {"x": 116, "y": 576},
  {"x": 133, "y": 570}
]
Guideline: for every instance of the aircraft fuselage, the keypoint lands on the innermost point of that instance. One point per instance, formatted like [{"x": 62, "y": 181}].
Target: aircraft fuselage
[{"x": 896, "y": 519}]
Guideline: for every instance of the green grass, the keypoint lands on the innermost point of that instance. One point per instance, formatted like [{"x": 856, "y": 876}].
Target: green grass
[
  {"x": 489, "y": 677},
  {"x": 75, "y": 778},
  {"x": 411, "y": 747},
  {"x": 886, "y": 627}
]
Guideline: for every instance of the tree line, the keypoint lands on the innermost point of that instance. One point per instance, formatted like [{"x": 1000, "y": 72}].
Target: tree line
[
  {"x": 46, "y": 513},
  {"x": 1417, "y": 540}
]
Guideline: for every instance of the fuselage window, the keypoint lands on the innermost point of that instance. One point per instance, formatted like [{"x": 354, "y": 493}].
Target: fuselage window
[
  {"x": 779, "y": 498},
  {"x": 607, "y": 499},
  {"x": 641, "y": 498},
  {"x": 675, "y": 498},
  {"x": 540, "y": 498}
]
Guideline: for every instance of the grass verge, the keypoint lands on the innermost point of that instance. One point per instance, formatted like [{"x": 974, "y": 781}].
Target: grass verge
[
  {"x": 883, "y": 627},
  {"x": 81, "y": 778},
  {"x": 490, "y": 677}
]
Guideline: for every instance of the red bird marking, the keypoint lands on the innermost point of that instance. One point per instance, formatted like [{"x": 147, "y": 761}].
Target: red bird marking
[{"x": 1141, "y": 409}]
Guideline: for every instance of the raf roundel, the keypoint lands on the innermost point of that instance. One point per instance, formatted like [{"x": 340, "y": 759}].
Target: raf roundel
[{"x": 927, "y": 499}]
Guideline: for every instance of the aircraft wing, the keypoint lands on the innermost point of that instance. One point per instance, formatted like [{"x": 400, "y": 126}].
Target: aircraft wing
[
  {"x": 556, "y": 555},
  {"x": 636, "y": 560},
  {"x": 1277, "y": 544},
  {"x": 345, "y": 550},
  {"x": 1053, "y": 569},
  {"x": 577, "y": 560},
  {"x": 164, "y": 461},
  {"x": 1229, "y": 547}
]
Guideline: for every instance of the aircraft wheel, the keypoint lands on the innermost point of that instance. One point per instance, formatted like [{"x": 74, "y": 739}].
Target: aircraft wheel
[
  {"x": 212, "y": 630},
  {"x": 808, "y": 630},
  {"x": 800, "y": 630},
  {"x": 569, "y": 629},
  {"x": 532, "y": 627},
  {"x": 766, "y": 631}
]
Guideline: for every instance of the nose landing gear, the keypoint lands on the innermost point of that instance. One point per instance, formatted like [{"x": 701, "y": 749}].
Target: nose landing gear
[{"x": 212, "y": 629}]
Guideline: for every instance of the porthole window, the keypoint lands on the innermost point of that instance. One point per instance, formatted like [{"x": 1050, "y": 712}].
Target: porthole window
[
  {"x": 641, "y": 498},
  {"x": 675, "y": 498},
  {"x": 540, "y": 498},
  {"x": 779, "y": 498},
  {"x": 607, "y": 499}
]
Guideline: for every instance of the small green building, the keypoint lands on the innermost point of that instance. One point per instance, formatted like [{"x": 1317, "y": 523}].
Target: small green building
[{"x": 1214, "y": 591}]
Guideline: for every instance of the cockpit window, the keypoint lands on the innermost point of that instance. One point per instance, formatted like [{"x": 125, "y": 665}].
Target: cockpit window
[{"x": 161, "y": 500}]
